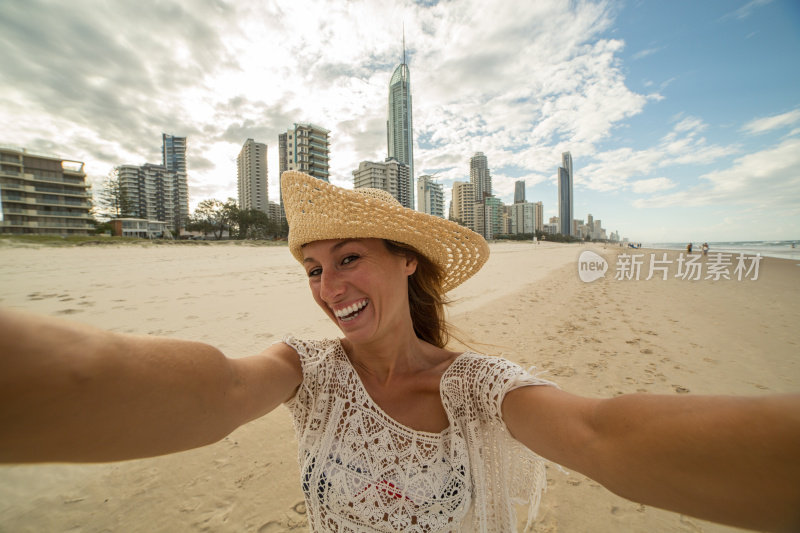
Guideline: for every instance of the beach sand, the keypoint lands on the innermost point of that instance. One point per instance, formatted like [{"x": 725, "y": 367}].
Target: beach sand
[{"x": 528, "y": 304}]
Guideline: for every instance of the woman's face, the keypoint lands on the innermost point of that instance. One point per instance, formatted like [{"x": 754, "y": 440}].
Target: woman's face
[{"x": 360, "y": 285}]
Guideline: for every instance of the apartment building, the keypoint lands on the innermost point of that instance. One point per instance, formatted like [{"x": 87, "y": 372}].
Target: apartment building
[{"x": 43, "y": 194}]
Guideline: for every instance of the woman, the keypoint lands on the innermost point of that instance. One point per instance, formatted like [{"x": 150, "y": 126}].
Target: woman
[{"x": 395, "y": 431}]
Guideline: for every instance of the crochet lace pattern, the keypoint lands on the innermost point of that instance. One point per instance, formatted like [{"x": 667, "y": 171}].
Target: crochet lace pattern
[{"x": 362, "y": 471}]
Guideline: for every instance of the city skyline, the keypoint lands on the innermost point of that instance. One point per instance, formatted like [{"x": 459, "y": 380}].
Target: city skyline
[{"x": 683, "y": 121}]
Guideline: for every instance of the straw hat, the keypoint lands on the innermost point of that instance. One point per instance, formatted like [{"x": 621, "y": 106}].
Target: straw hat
[{"x": 317, "y": 210}]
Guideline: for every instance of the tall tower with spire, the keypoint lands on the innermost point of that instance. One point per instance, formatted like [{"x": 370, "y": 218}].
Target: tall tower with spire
[
  {"x": 565, "y": 207},
  {"x": 399, "y": 128}
]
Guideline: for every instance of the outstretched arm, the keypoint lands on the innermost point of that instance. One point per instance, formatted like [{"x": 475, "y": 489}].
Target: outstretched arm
[
  {"x": 70, "y": 392},
  {"x": 734, "y": 460}
]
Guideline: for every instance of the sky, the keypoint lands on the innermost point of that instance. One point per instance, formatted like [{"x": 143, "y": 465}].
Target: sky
[{"x": 682, "y": 117}]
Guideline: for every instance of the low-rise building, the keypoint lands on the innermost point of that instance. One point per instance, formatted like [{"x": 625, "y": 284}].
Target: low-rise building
[
  {"x": 139, "y": 227},
  {"x": 43, "y": 194}
]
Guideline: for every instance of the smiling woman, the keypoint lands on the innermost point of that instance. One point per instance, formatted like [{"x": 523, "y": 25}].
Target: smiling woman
[{"x": 395, "y": 431}]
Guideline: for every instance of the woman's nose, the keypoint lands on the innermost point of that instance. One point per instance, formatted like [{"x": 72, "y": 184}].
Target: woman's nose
[{"x": 331, "y": 285}]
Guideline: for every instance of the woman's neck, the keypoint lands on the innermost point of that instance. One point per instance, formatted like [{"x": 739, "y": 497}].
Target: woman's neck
[{"x": 384, "y": 358}]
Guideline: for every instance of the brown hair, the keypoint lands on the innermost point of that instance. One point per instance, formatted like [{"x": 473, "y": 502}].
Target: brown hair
[{"x": 426, "y": 297}]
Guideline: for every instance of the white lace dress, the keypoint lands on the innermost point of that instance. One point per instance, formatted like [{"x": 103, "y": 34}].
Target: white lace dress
[{"x": 362, "y": 471}]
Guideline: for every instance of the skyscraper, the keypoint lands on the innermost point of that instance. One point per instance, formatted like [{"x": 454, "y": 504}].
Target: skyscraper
[
  {"x": 399, "y": 127},
  {"x": 521, "y": 217},
  {"x": 251, "y": 166},
  {"x": 430, "y": 197},
  {"x": 538, "y": 215},
  {"x": 390, "y": 176},
  {"x": 565, "y": 211},
  {"x": 479, "y": 176},
  {"x": 519, "y": 192},
  {"x": 462, "y": 205},
  {"x": 566, "y": 162},
  {"x": 304, "y": 147},
  {"x": 149, "y": 192},
  {"x": 173, "y": 153}
]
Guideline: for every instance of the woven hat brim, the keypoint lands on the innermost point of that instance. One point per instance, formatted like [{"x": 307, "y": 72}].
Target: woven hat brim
[{"x": 317, "y": 210}]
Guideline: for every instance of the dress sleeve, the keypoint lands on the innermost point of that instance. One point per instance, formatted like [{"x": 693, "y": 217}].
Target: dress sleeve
[
  {"x": 494, "y": 378},
  {"x": 504, "y": 472},
  {"x": 310, "y": 352}
]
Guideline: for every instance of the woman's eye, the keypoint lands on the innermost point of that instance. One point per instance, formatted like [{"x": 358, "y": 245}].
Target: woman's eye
[
  {"x": 314, "y": 272},
  {"x": 349, "y": 259}
]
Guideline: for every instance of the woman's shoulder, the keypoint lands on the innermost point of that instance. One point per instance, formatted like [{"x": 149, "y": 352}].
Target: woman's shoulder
[
  {"x": 309, "y": 347},
  {"x": 492, "y": 374},
  {"x": 479, "y": 362}
]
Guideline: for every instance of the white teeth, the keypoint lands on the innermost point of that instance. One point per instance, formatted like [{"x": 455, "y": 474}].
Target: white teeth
[{"x": 350, "y": 309}]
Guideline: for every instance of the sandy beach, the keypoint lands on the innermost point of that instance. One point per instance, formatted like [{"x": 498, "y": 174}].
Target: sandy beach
[{"x": 528, "y": 304}]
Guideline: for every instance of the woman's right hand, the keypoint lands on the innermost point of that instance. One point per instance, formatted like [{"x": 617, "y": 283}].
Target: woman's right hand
[{"x": 72, "y": 393}]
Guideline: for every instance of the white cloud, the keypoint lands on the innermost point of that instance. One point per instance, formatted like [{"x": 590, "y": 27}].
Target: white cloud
[
  {"x": 613, "y": 169},
  {"x": 746, "y": 10},
  {"x": 652, "y": 185},
  {"x": 768, "y": 179},
  {"x": 512, "y": 80},
  {"x": 647, "y": 52},
  {"x": 763, "y": 125}
]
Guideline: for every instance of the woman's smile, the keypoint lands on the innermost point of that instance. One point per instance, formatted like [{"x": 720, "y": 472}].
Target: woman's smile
[{"x": 350, "y": 312}]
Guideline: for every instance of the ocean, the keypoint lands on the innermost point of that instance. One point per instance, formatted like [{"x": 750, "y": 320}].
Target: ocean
[{"x": 780, "y": 249}]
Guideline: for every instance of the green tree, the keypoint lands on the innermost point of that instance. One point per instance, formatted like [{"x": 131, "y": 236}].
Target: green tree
[
  {"x": 231, "y": 216},
  {"x": 210, "y": 216},
  {"x": 111, "y": 201}
]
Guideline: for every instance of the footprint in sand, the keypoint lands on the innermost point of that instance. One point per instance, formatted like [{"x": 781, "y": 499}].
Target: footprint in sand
[
  {"x": 270, "y": 527},
  {"x": 69, "y": 311},
  {"x": 300, "y": 508},
  {"x": 680, "y": 390},
  {"x": 563, "y": 371}
]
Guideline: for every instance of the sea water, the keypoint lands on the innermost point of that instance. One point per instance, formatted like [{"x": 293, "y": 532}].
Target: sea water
[{"x": 780, "y": 249}]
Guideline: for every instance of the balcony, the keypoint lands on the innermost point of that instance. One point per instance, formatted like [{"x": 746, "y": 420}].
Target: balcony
[
  {"x": 61, "y": 214},
  {"x": 13, "y": 159},
  {"x": 66, "y": 201},
  {"x": 17, "y": 211},
  {"x": 68, "y": 181}
]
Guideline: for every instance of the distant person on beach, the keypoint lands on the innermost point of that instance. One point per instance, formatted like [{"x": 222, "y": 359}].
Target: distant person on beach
[
  {"x": 689, "y": 248},
  {"x": 705, "y": 248},
  {"x": 395, "y": 431}
]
